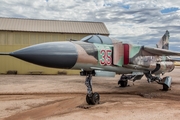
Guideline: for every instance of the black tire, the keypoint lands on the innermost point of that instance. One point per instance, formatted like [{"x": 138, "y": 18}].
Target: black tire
[
  {"x": 95, "y": 98},
  {"x": 89, "y": 100},
  {"x": 165, "y": 88},
  {"x": 124, "y": 83}
]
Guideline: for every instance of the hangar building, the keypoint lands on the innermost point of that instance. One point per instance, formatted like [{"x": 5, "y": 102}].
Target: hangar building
[{"x": 17, "y": 33}]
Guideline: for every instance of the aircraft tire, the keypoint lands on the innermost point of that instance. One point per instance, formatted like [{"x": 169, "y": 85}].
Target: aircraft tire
[
  {"x": 124, "y": 83},
  {"x": 89, "y": 99},
  {"x": 165, "y": 88},
  {"x": 93, "y": 100}
]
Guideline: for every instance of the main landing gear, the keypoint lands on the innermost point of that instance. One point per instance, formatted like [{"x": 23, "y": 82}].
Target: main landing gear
[
  {"x": 91, "y": 98},
  {"x": 124, "y": 80},
  {"x": 166, "y": 81}
]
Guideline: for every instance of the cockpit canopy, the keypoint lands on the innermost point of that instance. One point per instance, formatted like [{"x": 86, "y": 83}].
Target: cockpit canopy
[{"x": 100, "y": 39}]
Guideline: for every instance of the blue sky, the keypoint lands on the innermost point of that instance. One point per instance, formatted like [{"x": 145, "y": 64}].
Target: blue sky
[
  {"x": 170, "y": 9},
  {"x": 134, "y": 21}
]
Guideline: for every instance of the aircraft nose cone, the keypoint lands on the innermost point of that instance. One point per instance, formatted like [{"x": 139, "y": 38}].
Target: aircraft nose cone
[{"x": 51, "y": 54}]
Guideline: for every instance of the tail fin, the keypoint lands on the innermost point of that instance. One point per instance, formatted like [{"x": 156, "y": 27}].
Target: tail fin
[{"x": 164, "y": 42}]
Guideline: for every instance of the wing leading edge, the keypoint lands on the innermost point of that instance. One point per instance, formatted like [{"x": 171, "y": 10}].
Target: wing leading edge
[{"x": 160, "y": 52}]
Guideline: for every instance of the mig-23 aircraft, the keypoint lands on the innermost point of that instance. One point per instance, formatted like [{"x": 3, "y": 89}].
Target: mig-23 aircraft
[{"x": 97, "y": 55}]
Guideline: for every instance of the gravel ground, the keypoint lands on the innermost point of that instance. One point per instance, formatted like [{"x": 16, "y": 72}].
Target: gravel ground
[{"x": 54, "y": 97}]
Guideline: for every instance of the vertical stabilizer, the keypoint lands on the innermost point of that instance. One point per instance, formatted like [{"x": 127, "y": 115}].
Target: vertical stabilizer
[{"x": 164, "y": 42}]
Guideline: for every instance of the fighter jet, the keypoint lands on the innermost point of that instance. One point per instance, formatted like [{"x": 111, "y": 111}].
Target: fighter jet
[{"x": 98, "y": 55}]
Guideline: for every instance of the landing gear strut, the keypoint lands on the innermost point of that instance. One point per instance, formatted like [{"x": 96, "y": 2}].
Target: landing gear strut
[
  {"x": 91, "y": 98},
  {"x": 166, "y": 81}
]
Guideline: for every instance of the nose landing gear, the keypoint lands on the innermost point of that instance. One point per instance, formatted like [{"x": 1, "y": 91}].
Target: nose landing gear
[{"x": 91, "y": 98}]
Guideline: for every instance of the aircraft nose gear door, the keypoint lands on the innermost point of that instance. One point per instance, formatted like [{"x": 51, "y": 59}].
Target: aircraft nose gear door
[{"x": 91, "y": 98}]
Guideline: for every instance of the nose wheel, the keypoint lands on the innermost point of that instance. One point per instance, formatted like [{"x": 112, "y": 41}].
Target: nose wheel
[{"x": 91, "y": 98}]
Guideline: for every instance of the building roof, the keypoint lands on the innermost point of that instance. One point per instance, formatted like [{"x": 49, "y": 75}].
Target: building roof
[{"x": 56, "y": 26}]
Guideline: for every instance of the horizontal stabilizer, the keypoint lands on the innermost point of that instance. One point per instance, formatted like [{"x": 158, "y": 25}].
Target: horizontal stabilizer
[{"x": 174, "y": 58}]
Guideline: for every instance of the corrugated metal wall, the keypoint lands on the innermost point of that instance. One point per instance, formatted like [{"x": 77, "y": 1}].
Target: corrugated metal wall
[{"x": 11, "y": 41}]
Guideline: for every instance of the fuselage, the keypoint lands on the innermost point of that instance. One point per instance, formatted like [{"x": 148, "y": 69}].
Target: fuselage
[{"x": 95, "y": 52}]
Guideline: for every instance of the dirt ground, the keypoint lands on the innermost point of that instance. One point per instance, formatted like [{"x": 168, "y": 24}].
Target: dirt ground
[{"x": 55, "y": 97}]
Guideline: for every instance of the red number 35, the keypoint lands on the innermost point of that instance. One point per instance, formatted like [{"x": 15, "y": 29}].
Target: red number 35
[{"x": 106, "y": 57}]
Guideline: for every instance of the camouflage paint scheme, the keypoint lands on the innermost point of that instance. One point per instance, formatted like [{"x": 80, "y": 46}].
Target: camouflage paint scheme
[
  {"x": 111, "y": 58},
  {"x": 97, "y": 52}
]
